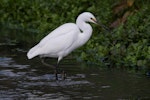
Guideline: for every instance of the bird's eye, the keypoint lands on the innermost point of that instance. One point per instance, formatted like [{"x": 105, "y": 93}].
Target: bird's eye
[{"x": 93, "y": 19}]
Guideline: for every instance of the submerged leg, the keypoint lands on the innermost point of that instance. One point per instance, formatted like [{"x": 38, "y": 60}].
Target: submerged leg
[
  {"x": 64, "y": 75},
  {"x": 62, "y": 72},
  {"x": 51, "y": 66}
]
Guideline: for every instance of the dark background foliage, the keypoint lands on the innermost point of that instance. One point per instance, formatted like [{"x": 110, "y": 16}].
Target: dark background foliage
[{"x": 127, "y": 45}]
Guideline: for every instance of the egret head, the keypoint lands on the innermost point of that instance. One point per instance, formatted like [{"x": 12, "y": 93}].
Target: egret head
[{"x": 89, "y": 17}]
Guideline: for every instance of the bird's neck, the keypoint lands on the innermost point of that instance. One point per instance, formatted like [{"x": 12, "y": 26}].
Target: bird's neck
[
  {"x": 83, "y": 26},
  {"x": 86, "y": 31}
]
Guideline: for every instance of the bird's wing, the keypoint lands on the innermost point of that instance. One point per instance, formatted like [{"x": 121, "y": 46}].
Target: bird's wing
[
  {"x": 60, "y": 44},
  {"x": 61, "y": 30},
  {"x": 58, "y": 41}
]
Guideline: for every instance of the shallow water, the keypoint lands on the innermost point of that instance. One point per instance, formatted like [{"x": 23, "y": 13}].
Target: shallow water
[{"x": 22, "y": 79}]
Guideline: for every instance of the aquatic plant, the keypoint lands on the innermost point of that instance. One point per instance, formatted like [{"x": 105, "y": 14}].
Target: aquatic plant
[{"x": 126, "y": 46}]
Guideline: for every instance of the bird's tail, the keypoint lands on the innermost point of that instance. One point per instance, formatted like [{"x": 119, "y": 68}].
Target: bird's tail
[{"x": 33, "y": 52}]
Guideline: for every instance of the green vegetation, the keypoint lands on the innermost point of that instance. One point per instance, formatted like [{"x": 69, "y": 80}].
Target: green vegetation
[{"x": 126, "y": 46}]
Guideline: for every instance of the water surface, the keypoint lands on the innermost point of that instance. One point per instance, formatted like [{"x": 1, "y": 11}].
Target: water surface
[{"x": 23, "y": 79}]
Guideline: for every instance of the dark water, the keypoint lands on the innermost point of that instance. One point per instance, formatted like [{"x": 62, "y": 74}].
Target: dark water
[{"x": 22, "y": 79}]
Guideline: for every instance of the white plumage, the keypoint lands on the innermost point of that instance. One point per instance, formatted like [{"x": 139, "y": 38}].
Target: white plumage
[{"x": 64, "y": 39}]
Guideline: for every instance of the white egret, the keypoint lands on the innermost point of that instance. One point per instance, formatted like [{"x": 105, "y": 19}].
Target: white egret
[{"x": 64, "y": 39}]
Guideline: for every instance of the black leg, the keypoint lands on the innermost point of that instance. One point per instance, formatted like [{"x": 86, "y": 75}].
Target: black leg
[
  {"x": 51, "y": 66},
  {"x": 56, "y": 71},
  {"x": 56, "y": 74},
  {"x": 63, "y": 73}
]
